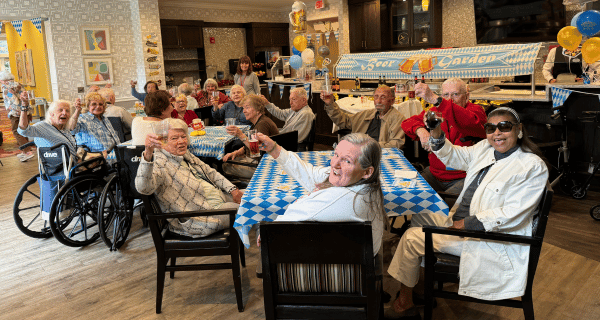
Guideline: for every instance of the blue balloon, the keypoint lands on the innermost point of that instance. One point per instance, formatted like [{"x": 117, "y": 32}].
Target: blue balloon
[
  {"x": 295, "y": 62},
  {"x": 295, "y": 51},
  {"x": 574, "y": 20},
  {"x": 588, "y": 23}
]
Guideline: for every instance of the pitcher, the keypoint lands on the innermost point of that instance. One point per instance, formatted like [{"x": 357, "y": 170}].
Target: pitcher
[{"x": 298, "y": 17}]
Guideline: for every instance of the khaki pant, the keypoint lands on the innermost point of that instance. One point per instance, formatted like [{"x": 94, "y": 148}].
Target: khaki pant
[{"x": 14, "y": 124}]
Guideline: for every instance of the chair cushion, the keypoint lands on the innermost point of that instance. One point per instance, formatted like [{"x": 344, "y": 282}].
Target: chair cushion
[
  {"x": 175, "y": 241},
  {"x": 447, "y": 263}
]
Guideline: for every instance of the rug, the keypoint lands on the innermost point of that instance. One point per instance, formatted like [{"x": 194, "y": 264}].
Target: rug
[{"x": 10, "y": 143}]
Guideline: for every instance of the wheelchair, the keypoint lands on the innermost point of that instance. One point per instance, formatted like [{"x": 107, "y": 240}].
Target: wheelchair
[
  {"x": 62, "y": 199},
  {"x": 117, "y": 200}
]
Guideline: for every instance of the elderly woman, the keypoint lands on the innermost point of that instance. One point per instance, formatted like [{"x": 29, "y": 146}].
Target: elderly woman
[
  {"x": 254, "y": 110},
  {"x": 182, "y": 182},
  {"x": 245, "y": 77},
  {"x": 232, "y": 109},
  {"x": 205, "y": 97},
  {"x": 157, "y": 107},
  {"x": 53, "y": 130},
  {"x": 348, "y": 190},
  {"x": 506, "y": 177},
  {"x": 187, "y": 89},
  {"x": 149, "y": 87},
  {"x": 12, "y": 103},
  {"x": 181, "y": 112},
  {"x": 92, "y": 128}
]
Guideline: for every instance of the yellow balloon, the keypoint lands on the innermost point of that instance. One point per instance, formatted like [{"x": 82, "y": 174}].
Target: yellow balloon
[
  {"x": 591, "y": 50},
  {"x": 569, "y": 38},
  {"x": 300, "y": 43}
]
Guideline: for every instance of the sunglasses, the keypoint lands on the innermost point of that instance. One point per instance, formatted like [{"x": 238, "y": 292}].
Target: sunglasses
[{"x": 503, "y": 126}]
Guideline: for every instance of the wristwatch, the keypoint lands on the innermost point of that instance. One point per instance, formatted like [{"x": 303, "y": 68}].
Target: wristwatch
[
  {"x": 24, "y": 108},
  {"x": 438, "y": 102}
]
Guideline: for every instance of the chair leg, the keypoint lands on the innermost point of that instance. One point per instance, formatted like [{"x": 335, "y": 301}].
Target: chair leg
[
  {"x": 237, "y": 279},
  {"x": 527, "y": 306},
  {"x": 242, "y": 254},
  {"x": 160, "y": 284},
  {"x": 173, "y": 261}
]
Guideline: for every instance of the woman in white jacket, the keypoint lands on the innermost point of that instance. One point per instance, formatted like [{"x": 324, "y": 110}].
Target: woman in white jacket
[
  {"x": 348, "y": 190},
  {"x": 505, "y": 180}
]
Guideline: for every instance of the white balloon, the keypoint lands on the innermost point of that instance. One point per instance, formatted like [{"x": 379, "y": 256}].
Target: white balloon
[{"x": 308, "y": 56}]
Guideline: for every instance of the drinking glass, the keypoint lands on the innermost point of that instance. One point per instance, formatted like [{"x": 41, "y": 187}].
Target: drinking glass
[
  {"x": 161, "y": 129},
  {"x": 31, "y": 96},
  {"x": 253, "y": 144},
  {"x": 433, "y": 119},
  {"x": 215, "y": 97},
  {"x": 229, "y": 122}
]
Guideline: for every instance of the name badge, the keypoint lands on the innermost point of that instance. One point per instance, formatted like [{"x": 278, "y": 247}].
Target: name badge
[{"x": 576, "y": 60}]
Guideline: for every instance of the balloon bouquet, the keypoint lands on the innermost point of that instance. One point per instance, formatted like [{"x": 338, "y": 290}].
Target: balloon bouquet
[
  {"x": 586, "y": 23},
  {"x": 301, "y": 55}
]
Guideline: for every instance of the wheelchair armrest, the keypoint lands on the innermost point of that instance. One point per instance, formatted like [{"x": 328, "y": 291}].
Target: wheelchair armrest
[
  {"x": 496, "y": 236},
  {"x": 31, "y": 144},
  {"x": 187, "y": 214}
]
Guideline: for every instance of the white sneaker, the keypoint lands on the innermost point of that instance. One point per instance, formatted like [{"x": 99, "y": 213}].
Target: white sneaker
[
  {"x": 20, "y": 155},
  {"x": 26, "y": 156}
]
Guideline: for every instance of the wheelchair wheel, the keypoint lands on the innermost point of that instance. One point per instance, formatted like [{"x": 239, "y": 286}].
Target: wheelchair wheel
[
  {"x": 74, "y": 211},
  {"x": 27, "y": 211},
  {"x": 595, "y": 212},
  {"x": 578, "y": 192},
  {"x": 115, "y": 213}
]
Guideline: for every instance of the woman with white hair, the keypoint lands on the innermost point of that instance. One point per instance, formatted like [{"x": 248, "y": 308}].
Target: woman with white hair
[
  {"x": 12, "y": 103},
  {"x": 205, "y": 97},
  {"x": 232, "y": 109},
  {"x": 53, "y": 130},
  {"x": 182, "y": 182},
  {"x": 186, "y": 89}
]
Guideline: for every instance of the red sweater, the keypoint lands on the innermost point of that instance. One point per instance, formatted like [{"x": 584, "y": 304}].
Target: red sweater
[
  {"x": 458, "y": 122},
  {"x": 188, "y": 117}
]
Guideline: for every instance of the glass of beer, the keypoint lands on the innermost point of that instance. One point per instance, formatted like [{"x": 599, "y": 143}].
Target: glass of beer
[
  {"x": 253, "y": 144},
  {"x": 215, "y": 97},
  {"x": 31, "y": 96},
  {"x": 161, "y": 129}
]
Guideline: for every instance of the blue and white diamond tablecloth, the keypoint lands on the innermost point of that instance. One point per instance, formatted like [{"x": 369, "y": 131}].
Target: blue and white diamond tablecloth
[
  {"x": 271, "y": 190},
  {"x": 213, "y": 143}
]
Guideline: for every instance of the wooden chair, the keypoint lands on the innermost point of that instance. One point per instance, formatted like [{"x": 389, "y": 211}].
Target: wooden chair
[
  {"x": 309, "y": 143},
  {"x": 442, "y": 267},
  {"x": 314, "y": 250},
  {"x": 288, "y": 140},
  {"x": 170, "y": 246}
]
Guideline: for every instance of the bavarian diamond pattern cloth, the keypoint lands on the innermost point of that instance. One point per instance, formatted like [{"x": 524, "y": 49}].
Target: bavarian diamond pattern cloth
[
  {"x": 18, "y": 25},
  {"x": 559, "y": 96},
  {"x": 213, "y": 143},
  {"x": 271, "y": 190}
]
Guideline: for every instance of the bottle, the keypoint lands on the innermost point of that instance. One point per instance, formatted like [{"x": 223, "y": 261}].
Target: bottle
[
  {"x": 336, "y": 84},
  {"x": 384, "y": 83},
  {"x": 422, "y": 78},
  {"x": 380, "y": 83},
  {"x": 333, "y": 84},
  {"x": 411, "y": 88},
  {"x": 356, "y": 84},
  {"x": 416, "y": 80}
]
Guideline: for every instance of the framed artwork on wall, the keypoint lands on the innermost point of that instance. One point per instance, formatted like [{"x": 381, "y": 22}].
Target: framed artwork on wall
[
  {"x": 98, "y": 71},
  {"x": 29, "y": 75},
  {"x": 20, "y": 61},
  {"x": 95, "y": 40}
]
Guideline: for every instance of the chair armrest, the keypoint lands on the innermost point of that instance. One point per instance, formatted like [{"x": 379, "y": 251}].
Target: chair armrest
[
  {"x": 246, "y": 164},
  {"x": 187, "y": 214},
  {"x": 496, "y": 236}
]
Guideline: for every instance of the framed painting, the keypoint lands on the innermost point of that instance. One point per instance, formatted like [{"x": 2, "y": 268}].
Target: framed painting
[
  {"x": 20, "y": 61},
  {"x": 95, "y": 40},
  {"x": 98, "y": 71},
  {"x": 29, "y": 75}
]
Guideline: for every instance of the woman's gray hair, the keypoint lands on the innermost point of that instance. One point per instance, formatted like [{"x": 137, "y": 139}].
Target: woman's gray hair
[
  {"x": 54, "y": 105},
  {"x": 211, "y": 81},
  {"x": 178, "y": 124},
  {"x": 185, "y": 88},
  {"x": 6, "y": 76},
  {"x": 235, "y": 86}
]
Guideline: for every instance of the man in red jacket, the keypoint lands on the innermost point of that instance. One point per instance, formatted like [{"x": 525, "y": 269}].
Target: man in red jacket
[{"x": 461, "y": 119}]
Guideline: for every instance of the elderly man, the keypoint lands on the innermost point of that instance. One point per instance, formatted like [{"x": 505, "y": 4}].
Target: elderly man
[
  {"x": 12, "y": 103},
  {"x": 298, "y": 117},
  {"x": 187, "y": 89},
  {"x": 461, "y": 119},
  {"x": 115, "y": 111},
  {"x": 381, "y": 123}
]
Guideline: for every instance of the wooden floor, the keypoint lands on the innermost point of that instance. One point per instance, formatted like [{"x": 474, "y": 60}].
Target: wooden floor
[{"x": 42, "y": 279}]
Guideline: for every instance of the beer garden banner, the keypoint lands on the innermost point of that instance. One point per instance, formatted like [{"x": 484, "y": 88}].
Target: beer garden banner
[{"x": 472, "y": 62}]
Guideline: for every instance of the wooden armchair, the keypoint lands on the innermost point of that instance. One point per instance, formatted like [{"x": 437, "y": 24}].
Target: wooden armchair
[
  {"x": 170, "y": 246},
  {"x": 443, "y": 267},
  {"x": 320, "y": 270}
]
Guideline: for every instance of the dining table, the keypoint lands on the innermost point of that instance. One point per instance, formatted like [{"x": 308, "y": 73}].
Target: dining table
[
  {"x": 271, "y": 190},
  {"x": 212, "y": 144}
]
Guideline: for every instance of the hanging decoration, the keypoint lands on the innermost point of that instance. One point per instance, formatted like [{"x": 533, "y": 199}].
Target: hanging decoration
[
  {"x": 569, "y": 38},
  {"x": 308, "y": 56},
  {"x": 559, "y": 96},
  {"x": 318, "y": 37},
  {"x": 37, "y": 22},
  {"x": 591, "y": 50},
  {"x": 18, "y": 25},
  {"x": 588, "y": 23},
  {"x": 295, "y": 62},
  {"x": 300, "y": 43},
  {"x": 327, "y": 36},
  {"x": 336, "y": 33},
  {"x": 298, "y": 17}
]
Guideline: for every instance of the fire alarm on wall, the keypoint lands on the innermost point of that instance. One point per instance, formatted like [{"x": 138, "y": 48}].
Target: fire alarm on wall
[
  {"x": 212, "y": 40},
  {"x": 319, "y": 4}
]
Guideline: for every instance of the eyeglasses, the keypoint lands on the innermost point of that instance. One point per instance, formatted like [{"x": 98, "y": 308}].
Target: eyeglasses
[
  {"x": 454, "y": 95},
  {"x": 503, "y": 126}
]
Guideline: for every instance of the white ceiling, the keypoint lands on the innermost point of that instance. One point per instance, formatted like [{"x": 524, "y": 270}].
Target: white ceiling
[{"x": 258, "y": 5}]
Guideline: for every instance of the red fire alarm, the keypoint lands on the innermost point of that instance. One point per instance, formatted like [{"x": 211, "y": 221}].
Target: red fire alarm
[
  {"x": 319, "y": 4},
  {"x": 212, "y": 40}
]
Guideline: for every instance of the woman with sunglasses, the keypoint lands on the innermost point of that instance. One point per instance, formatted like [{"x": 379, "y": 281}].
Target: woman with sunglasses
[{"x": 506, "y": 176}]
